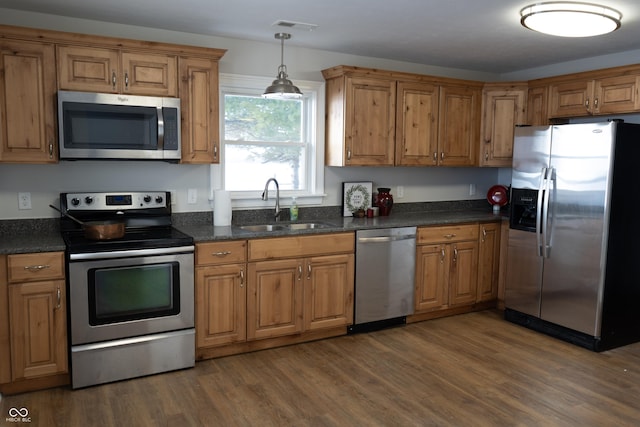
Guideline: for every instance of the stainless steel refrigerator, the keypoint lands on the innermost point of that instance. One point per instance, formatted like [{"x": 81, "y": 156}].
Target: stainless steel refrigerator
[{"x": 573, "y": 268}]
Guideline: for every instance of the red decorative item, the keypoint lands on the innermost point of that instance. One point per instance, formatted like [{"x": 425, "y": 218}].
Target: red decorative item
[
  {"x": 384, "y": 201},
  {"x": 498, "y": 195}
]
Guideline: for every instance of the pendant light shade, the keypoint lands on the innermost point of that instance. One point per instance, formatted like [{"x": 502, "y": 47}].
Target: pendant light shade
[
  {"x": 570, "y": 19},
  {"x": 282, "y": 87}
]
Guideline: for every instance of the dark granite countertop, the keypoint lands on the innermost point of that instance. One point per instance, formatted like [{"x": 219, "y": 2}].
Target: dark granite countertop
[{"x": 43, "y": 235}]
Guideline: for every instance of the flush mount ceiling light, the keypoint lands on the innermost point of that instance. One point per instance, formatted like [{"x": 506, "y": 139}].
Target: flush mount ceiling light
[
  {"x": 282, "y": 87},
  {"x": 570, "y": 19}
]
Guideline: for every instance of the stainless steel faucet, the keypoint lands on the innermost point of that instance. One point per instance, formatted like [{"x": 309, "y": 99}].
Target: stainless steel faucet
[{"x": 265, "y": 196}]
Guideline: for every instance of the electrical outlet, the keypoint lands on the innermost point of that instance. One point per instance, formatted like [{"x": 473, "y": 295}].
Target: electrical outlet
[
  {"x": 400, "y": 192},
  {"x": 24, "y": 201},
  {"x": 192, "y": 196}
]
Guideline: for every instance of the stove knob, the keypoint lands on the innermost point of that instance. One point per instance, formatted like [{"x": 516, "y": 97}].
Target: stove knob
[
  {"x": 147, "y": 198},
  {"x": 75, "y": 201},
  {"x": 88, "y": 200},
  {"x": 159, "y": 199}
]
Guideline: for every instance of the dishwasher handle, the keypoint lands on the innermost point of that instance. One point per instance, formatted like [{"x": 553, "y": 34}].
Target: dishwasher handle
[{"x": 384, "y": 239}]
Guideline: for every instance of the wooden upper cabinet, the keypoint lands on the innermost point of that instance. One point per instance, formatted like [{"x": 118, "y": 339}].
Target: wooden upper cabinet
[
  {"x": 110, "y": 70},
  {"x": 459, "y": 125},
  {"x": 537, "y": 105},
  {"x": 199, "y": 109},
  {"x": 370, "y": 118},
  {"x": 27, "y": 102},
  {"x": 417, "y": 124},
  {"x": 502, "y": 109},
  {"x": 605, "y": 95}
]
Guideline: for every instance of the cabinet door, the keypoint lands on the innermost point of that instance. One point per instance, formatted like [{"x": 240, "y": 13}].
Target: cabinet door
[
  {"x": 458, "y": 125},
  {"x": 571, "y": 99},
  {"x": 199, "y": 109},
  {"x": 463, "y": 273},
  {"x": 617, "y": 95},
  {"x": 38, "y": 329},
  {"x": 150, "y": 74},
  {"x": 328, "y": 293},
  {"x": 417, "y": 124},
  {"x": 221, "y": 300},
  {"x": 274, "y": 298},
  {"x": 502, "y": 110},
  {"x": 27, "y": 102},
  {"x": 370, "y": 119},
  {"x": 537, "y": 106},
  {"x": 89, "y": 69},
  {"x": 488, "y": 262},
  {"x": 432, "y": 276}
]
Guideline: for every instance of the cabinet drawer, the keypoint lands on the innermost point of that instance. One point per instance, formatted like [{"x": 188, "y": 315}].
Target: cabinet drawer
[
  {"x": 452, "y": 233},
  {"x": 37, "y": 266},
  {"x": 212, "y": 253},
  {"x": 301, "y": 246}
]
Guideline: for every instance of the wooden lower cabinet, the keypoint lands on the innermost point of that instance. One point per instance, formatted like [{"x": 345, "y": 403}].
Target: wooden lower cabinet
[
  {"x": 33, "y": 323},
  {"x": 448, "y": 271},
  {"x": 295, "y": 289},
  {"x": 489, "y": 261}
]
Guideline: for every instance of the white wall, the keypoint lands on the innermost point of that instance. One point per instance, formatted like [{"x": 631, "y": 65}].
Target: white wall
[{"x": 45, "y": 182}]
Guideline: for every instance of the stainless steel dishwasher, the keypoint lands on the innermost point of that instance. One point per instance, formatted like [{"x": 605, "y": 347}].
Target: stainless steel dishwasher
[{"x": 385, "y": 273}]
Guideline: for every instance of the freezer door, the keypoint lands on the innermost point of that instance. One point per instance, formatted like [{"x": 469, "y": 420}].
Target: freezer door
[
  {"x": 531, "y": 150},
  {"x": 524, "y": 273},
  {"x": 577, "y": 222}
]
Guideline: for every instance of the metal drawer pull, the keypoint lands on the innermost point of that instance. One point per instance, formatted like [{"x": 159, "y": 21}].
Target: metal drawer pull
[
  {"x": 222, "y": 254},
  {"x": 36, "y": 267},
  {"x": 449, "y": 236}
]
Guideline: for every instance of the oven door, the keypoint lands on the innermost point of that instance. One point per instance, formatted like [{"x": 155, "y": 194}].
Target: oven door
[{"x": 114, "y": 295}]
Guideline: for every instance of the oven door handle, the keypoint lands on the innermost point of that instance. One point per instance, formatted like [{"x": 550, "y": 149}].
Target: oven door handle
[{"x": 131, "y": 253}]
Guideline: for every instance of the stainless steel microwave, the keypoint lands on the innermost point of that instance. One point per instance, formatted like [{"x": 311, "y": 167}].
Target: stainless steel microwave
[{"x": 111, "y": 126}]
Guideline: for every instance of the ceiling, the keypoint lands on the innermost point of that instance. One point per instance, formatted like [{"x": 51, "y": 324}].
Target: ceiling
[{"x": 478, "y": 35}]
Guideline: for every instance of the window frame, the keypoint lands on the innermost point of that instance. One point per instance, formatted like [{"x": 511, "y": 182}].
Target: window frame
[{"x": 253, "y": 85}]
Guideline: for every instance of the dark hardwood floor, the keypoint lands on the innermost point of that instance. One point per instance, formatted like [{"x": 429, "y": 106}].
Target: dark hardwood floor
[{"x": 468, "y": 370}]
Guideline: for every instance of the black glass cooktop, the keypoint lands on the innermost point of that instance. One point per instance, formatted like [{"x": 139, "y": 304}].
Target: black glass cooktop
[{"x": 147, "y": 238}]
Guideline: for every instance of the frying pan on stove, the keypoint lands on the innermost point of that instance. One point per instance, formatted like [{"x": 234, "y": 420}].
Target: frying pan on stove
[{"x": 98, "y": 230}]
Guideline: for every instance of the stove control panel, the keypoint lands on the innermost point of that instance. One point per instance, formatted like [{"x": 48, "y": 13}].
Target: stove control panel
[{"x": 117, "y": 201}]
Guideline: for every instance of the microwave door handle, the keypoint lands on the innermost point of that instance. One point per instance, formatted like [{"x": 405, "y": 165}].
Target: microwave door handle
[{"x": 160, "y": 129}]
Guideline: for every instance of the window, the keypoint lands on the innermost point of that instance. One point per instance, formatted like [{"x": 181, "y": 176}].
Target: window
[{"x": 267, "y": 138}]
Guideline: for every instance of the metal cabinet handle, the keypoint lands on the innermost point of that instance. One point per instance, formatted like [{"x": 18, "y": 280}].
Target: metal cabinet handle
[
  {"x": 435, "y": 157},
  {"x": 126, "y": 79},
  {"x": 221, "y": 254},
  {"x": 442, "y": 254},
  {"x": 113, "y": 79},
  {"x": 595, "y": 104},
  {"x": 348, "y": 153},
  {"x": 51, "y": 149},
  {"x": 59, "y": 297},
  {"x": 449, "y": 236},
  {"x": 36, "y": 267},
  {"x": 455, "y": 254},
  {"x": 486, "y": 155},
  {"x": 484, "y": 234},
  {"x": 442, "y": 155},
  {"x": 241, "y": 277},
  {"x": 215, "y": 150},
  {"x": 586, "y": 104},
  {"x": 299, "y": 272},
  {"x": 309, "y": 271}
]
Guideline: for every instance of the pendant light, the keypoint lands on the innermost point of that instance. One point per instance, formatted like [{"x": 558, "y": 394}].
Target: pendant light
[
  {"x": 570, "y": 19},
  {"x": 282, "y": 87}
]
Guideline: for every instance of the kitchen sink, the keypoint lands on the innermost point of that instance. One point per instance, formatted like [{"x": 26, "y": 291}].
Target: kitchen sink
[
  {"x": 293, "y": 226},
  {"x": 263, "y": 227}
]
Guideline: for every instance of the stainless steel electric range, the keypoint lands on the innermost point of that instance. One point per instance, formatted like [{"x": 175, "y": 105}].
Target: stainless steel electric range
[{"x": 131, "y": 300}]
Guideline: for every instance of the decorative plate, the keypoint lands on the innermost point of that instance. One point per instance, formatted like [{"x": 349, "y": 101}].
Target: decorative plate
[
  {"x": 356, "y": 196},
  {"x": 498, "y": 195}
]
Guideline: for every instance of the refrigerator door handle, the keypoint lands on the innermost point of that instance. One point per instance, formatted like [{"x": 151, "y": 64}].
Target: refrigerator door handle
[
  {"x": 541, "y": 187},
  {"x": 546, "y": 233}
]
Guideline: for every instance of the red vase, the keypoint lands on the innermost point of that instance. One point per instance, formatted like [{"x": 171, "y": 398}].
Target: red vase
[{"x": 384, "y": 201}]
